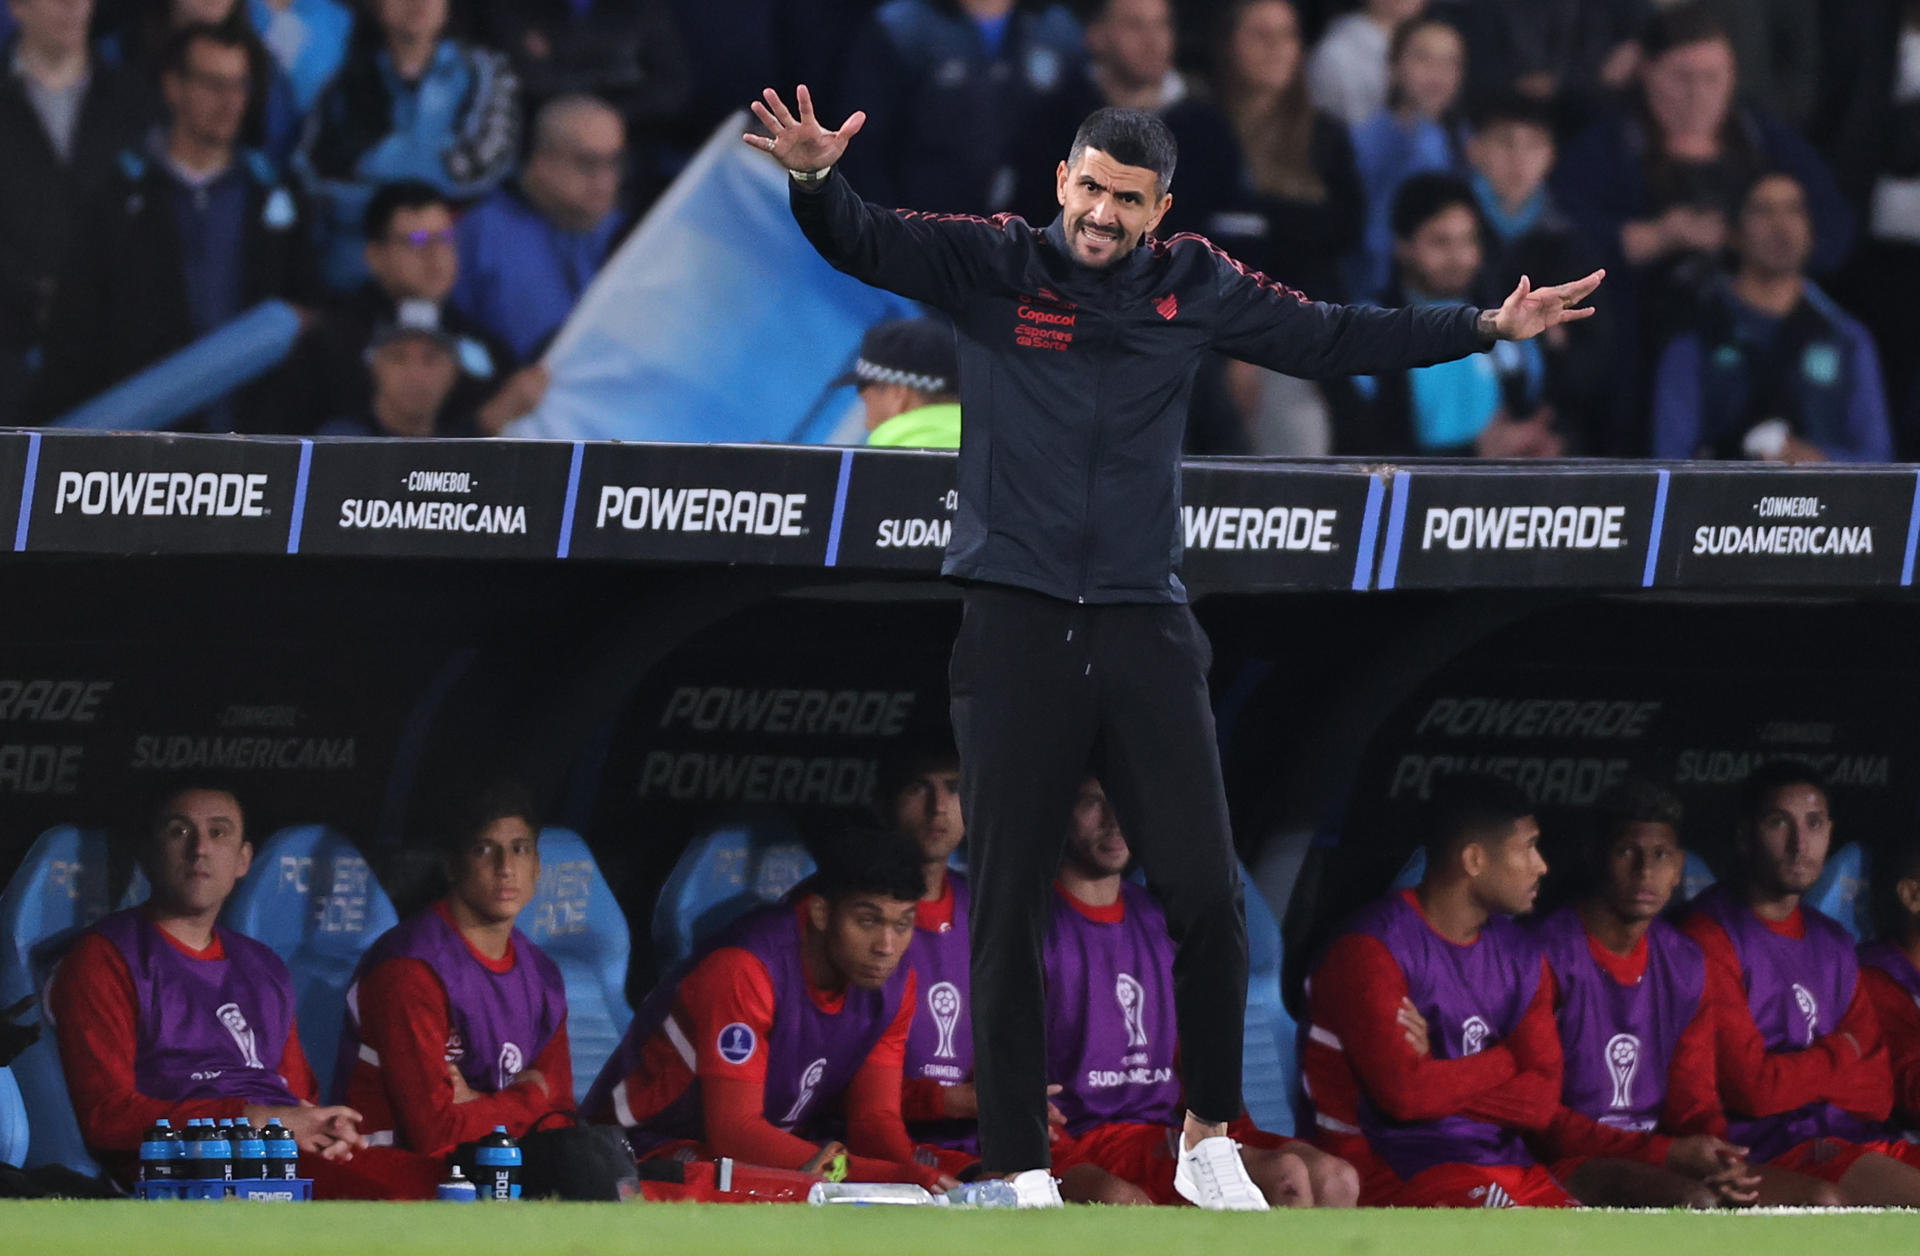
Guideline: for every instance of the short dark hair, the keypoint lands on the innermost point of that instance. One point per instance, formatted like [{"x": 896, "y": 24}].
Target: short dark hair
[
  {"x": 1467, "y": 804},
  {"x": 866, "y": 861},
  {"x": 160, "y": 801},
  {"x": 1132, "y": 137},
  {"x": 1695, "y": 22},
  {"x": 1425, "y": 197},
  {"x": 390, "y": 198},
  {"x": 1899, "y": 861},
  {"x": 1636, "y": 800},
  {"x": 902, "y": 766},
  {"x": 1510, "y": 108},
  {"x": 1774, "y": 775},
  {"x": 502, "y": 798},
  {"x": 179, "y": 47}
]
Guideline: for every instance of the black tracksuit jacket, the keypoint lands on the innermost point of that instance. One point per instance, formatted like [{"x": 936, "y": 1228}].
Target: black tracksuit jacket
[{"x": 1074, "y": 382}]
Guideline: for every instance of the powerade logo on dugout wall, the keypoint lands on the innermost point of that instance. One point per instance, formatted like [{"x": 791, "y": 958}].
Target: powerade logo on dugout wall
[
  {"x": 1513, "y": 528},
  {"x": 1274, "y": 528},
  {"x": 445, "y": 499},
  {"x": 1778, "y": 527},
  {"x": 705, "y": 503},
  {"x": 177, "y": 494},
  {"x": 13, "y": 472},
  {"x": 899, "y": 511}
]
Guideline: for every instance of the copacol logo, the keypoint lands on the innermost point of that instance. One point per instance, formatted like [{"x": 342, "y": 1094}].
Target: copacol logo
[
  {"x": 161, "y": 493},
  {"x": 642, "y": 508}
]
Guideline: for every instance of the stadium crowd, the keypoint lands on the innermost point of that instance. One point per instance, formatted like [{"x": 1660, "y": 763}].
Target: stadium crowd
[
  {"x": 1459, "y": 1048},
  {"x": 434, "y": 182}
]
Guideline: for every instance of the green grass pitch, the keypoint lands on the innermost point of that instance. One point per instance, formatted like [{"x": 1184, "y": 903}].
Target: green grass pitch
[{"x": 547, "y": 1229}]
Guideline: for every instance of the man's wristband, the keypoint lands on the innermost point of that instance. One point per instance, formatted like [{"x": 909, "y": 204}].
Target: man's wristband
[{"x": 810, "y": 178}]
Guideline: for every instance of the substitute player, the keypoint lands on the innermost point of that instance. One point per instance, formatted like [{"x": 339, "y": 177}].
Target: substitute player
[
  {"x": 1803, "y": 1074},
  {"x": 1078, "y": 349},
  {"x": 456, "y": 1022},
  {"x": 1437, "y": 1119},
  {"x": 1639, "y": 1118},
  {"x": 794, "y": 1013},
  {"x": 161, "y": 1012},
  {"x": 1112, "y": 1044},
  {"x": 1891, "y": 979}
]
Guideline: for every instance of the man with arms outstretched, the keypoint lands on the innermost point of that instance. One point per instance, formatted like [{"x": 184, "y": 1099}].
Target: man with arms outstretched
[
  {"x": 1432, "y": 1051},
  {"x": 1078, "y": 346},
  {"x": 1803, "y": 1074}
]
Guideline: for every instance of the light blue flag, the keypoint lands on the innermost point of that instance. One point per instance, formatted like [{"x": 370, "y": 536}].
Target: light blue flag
[{"x": 715, "y": 321}]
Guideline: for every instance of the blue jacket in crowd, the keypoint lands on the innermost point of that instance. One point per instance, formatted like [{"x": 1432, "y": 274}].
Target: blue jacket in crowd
[{"x": 520, "y": 275}]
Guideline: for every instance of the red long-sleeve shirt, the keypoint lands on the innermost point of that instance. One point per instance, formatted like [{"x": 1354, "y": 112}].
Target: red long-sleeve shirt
[
  {"x": 732, "y": 985},
  {"x": 406, "y": 1021},
  {"x": 1851, "y": 1073},
  {"x": 1899, "y": 1018},
  {"x": 1692, "y": 1103},
  {"x": 96, "y": 1022},
  {"x": 1355, "y": 1044}
]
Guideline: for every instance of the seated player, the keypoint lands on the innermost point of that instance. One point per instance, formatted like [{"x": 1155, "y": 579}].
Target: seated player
[
  {"x": 1639, "y": 1115},
  {"x": 1803, "y": 1075},
  {"x": 1438, "y": 1119},
  {"x": 1112, "y": 1042},
  {"x": 1892, "y": 982},
  {"x": 160, "y": 1012},
  {"x": 456, "y": 1021},
  {"x": 794, "y": 1012}
]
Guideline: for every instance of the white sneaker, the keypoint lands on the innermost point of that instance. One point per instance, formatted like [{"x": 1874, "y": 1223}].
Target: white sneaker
[
  {"x": 1211, "y": 1175},
  {"x": 1037, "y": 1188}
]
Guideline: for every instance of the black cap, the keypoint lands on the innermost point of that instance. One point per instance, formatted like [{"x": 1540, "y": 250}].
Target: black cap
[
  {"x": 917, "y": 352},
  {"x": 414, "y": 318}
]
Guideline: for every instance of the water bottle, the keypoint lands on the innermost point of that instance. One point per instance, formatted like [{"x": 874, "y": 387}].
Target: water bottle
[
  {"x": 457, "y": 1189},
  {"x": 868, "y": 1193},
  {"x": 249, "y": 1153},
  {"x": 496, "y": 1163},
  {"x": 283, "y": 1153},
  {"x": 987, "y": 1193},
  {"x": 163, "y": 1153},
  {"x": 207, "y": 1159}
]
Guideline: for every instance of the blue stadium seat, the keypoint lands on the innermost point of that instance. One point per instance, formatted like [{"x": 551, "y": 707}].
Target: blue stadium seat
[
  {"x": 739, "y": 865},
  {"x": 311, "y": 897},
  {"x": 60, "y": 888},
  {"x": 13, "y": 1121},
  {"x": 1270, "y": 1070},
  {"x": 1410, "y": 871},
  {"x": 574, "y": 918},
  {"x": 1696, "y": 879},
  {"x": 1841, "y": 891}
]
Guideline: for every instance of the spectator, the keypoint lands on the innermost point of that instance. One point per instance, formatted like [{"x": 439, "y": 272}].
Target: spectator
[
  {"x": 1777, "y": 46},
  {"x": 1655, "y": 185},
  {"x": 459, "y": 972},
  {"x": 1416, "y": 132},
  {"x": 1349, "y": 70},
  {"x": 414, "y": 103},
  {"x": 187, "y": 235},
  {"x": 1299, "y": 158},
  {"x": 1772, "y": 369},
  {"x": 138, "y": 42},
  {"x": 308, "y": 40},
  {"x": 908, "y": 377},
  {"x": 1511, "y": 152},
  {"x": 1870, "y": 126},
  {"x": 529, "y": 251},
  {"x": 413, "y": 264},
  {"x": 1491, "y": 404},
  {"x": 160, "y": 1012},
  {"x": 1571, "y": 54},
  {"x": 626, "y": 52},
  {"x": 413, "y": 370},
  {"x": 64, "y": 116},
  {"x": 953, "y": 89}
]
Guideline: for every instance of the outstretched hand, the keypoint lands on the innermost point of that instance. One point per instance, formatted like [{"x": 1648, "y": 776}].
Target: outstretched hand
[
  {"x": 800, "y": 144},
  {"x": 1530, "y": 310}
]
